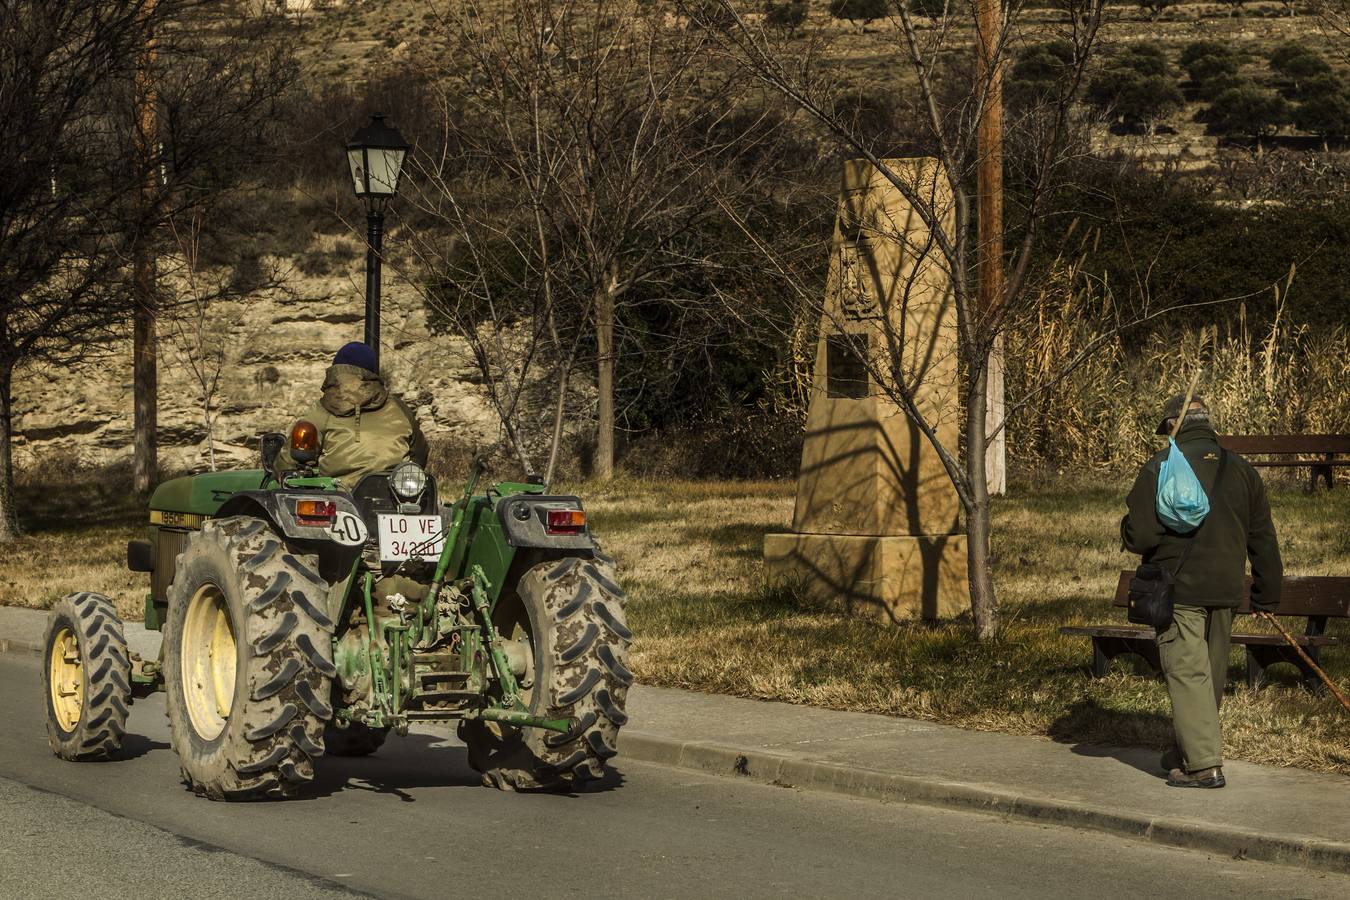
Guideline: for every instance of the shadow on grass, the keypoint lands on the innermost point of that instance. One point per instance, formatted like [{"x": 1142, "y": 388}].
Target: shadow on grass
[
  {"x": 735, "y": 537},
  {"x": 77, "y": 504},
  {"x": 1135, "y": 739}
]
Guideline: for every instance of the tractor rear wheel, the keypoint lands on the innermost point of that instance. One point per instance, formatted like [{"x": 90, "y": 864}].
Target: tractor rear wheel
[
  {"x": 87, "y": 676},
  {"x": 248, "y": 662},
  {"x": 354, "y": 740},
  {"x": 569, "y": 616}
]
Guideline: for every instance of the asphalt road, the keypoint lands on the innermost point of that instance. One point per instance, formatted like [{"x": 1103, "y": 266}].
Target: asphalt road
[{"x": 413, "y": 821}]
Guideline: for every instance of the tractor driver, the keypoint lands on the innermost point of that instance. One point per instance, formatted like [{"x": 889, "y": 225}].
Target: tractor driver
[{"x": 362, "y": 427}]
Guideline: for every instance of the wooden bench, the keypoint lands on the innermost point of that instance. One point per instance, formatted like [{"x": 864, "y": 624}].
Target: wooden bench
[
  {"x": 1319, "y": 452},
  {"x": 1318, "y": 598}
]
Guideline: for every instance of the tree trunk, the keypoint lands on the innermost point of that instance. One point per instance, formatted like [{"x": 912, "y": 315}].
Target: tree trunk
[
  {"x": 996, "y": 455},
  {"x": 144, "y": 367},
  {"x": 990, "y": 226},
  {"x": 210, "y": 438},
  {"x": 983, "y": 599},
  {"x": 555, "y": 443},
  {"x": 146, "y": 378},
  {"x": 9, "y": 513},
  {"x": 603, "y": 464}
]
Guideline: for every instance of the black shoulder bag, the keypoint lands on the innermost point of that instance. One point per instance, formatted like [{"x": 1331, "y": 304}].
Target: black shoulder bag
[{"x": 1152, "y": 587}]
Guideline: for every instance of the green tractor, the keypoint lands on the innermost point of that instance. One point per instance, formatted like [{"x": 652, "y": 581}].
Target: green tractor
[{"x": 303, "y": 616}]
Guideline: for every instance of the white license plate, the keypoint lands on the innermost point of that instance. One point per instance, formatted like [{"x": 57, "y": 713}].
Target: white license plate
[{"x": 402, "y": 537}]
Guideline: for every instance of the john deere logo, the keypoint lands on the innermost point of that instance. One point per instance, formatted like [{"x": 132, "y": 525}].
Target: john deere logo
[{"x": 1211, "y": 456}]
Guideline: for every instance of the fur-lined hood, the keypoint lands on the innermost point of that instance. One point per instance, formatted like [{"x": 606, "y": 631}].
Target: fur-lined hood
[{"x": 349, "y": 389}]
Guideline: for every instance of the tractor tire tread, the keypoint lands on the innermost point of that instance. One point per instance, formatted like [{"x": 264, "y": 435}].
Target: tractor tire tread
[
  {"x": 269, "y": 746},
  {"x": 587, "y": 680},
  {"x": 106, "y": 668}
]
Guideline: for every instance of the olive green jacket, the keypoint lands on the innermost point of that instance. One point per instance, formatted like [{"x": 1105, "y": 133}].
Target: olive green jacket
[
  {"x": 362, "y": 427},
  {"x": 1238, "y": 528}
]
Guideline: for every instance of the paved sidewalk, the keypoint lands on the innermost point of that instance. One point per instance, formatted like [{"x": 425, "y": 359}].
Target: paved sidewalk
[{"x": 1286, "y": 815}]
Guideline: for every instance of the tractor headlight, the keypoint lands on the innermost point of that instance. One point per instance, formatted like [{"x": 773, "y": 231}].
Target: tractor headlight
[{"x": 408, "y": 481}]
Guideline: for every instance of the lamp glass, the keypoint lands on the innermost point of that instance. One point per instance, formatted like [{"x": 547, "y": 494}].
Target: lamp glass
[
  {"x": 356, "y": 160},
  {"x": 384, "y": 165}
]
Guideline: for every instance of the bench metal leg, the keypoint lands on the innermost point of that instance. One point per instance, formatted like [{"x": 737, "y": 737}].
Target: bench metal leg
[
  {"x": 1320, "y": 472},
  {"x": 1256, "y": 672},
  {"x": 1261, "y": 658},
  {"x": 1107, "y": 648}
]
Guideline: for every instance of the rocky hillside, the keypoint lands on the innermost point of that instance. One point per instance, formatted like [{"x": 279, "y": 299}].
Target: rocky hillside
[{"x": 277, "y": 347}]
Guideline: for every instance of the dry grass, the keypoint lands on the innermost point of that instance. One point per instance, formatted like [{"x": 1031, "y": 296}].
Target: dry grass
[
  {"x": 1284, "y": 378},
  {"x": 690, "y": 557},
  {"x": 689, "y": 554},
  {"x": 77, "y": 525}
]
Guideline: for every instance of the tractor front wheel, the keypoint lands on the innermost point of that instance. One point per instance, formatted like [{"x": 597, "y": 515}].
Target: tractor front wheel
[
  {"x": 248, "y": 662},
  {"x": 569, "y": 616},
  {"x": 87, "y": 675}
]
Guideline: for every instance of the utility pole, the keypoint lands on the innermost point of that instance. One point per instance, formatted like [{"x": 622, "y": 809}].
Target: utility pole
[
  {"x": 144, "y": 350},
  {"x": 989, "y": 25}
]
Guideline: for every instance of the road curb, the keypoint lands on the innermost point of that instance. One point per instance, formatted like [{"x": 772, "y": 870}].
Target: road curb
[
  {"x": 796, "y": 772},
  {"x": 9, "y": 645}
]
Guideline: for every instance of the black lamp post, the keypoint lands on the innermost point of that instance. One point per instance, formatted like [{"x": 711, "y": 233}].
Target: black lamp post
[{"x": 375, "y": 154}]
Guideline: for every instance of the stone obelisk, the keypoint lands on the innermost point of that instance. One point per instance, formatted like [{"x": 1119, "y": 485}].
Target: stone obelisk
[{"x": 877, "y": 526}]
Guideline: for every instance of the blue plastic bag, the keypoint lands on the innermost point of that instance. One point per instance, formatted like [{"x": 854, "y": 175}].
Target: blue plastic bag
[{"x": 1182, "y": 501}]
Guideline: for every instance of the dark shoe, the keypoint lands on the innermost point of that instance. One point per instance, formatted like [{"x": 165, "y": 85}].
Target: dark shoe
[
  {"x": 1172, "y": 760},
  {"x": 1205, "y": 778}
]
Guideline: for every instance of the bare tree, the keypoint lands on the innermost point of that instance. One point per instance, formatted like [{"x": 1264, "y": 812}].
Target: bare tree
[
  {"x": 597, "y": 140},
  {"x": 207, "y": 78},
  {"x": 201, "y": 333},
  {"x": 67, "y": 227},
  {"x": 72, "y": 208}
]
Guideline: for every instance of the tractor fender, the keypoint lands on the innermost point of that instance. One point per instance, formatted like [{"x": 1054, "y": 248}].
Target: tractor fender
[
  {"x": 523, "y": 518},
  {"x": 278, "y": 508}
]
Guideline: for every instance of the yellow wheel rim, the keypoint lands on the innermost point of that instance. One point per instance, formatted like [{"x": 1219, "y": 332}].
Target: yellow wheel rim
[
  {"x": 209, "y": 659},
  {"x": 65, "y": 673}
]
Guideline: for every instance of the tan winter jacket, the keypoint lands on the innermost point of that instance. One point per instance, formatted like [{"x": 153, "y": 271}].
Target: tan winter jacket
[{"x": 362, "y": 427}]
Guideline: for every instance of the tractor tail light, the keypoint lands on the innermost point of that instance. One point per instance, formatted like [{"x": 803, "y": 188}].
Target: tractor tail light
[
  {"x": 315, "y": 512},
  {"x": 565, "y": 521}
]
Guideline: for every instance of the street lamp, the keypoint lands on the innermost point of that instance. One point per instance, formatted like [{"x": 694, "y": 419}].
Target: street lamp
[{"x": 375, "y": 154}]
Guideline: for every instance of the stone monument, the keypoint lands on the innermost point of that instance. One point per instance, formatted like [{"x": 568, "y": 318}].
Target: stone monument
[{"x": 877, "y": 525}]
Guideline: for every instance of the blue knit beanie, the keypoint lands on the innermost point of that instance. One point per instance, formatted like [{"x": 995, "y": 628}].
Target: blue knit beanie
[{"x": 356, "y": 354}]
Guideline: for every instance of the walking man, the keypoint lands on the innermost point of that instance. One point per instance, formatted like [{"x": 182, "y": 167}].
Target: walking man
[{"x": 1209, "y": 583}]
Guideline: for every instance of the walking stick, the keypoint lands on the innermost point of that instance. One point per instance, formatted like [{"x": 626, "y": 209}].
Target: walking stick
[
  {"x": 1186, "y": 404},
  {"x": 1306, "y": 658}
]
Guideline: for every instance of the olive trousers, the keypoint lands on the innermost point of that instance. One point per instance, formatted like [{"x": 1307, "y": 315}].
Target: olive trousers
[{"x": 1194, "y": 655}]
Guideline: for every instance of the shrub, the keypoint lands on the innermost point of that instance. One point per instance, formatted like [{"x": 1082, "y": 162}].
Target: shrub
[
  {"x": 1145, "y": 57},
  {"x": 1325, "y": 110},
  {"x": 788, "y": 16},
  {"x": 933, "y": 9},
  {"x": 1211, "y": 66},
  {"x": 858, "y": 10},
  {"x": 872, "y": 117},
  {"x": 1155, "y": 8},
  {"x": 1137, "y": 87},
  {"x": 1246, "y": 108},
  {"x": 709, "y": 14},
  {"x": 1038, "y": 71},
  {"x": 1297, "y": 64}
]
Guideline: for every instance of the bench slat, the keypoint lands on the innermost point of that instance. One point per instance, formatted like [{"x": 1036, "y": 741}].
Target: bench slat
[
  {"x": 1286, "y": 443},
  {"x": 1122, "y": 631},
  {"x": 1274, "y": 640},
  {"x": 1300, "y": 595},
  {"x": 1295, "y": 463}
]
